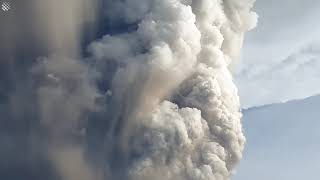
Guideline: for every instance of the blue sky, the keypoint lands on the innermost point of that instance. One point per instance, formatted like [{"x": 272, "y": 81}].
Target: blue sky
[
  {"x": 279, "y": 60},
  {"x": 282, "y": 142},
  {"x": 280, "y": 63}
]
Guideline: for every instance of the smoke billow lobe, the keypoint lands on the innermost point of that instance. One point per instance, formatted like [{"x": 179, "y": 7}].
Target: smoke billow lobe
[
  {"x": 153, "y": 100},
  {"x": 174, "y": 107}
]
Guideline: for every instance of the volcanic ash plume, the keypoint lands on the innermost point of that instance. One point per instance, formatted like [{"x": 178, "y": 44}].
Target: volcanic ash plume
[
  {"x": 174, "y": 110},
  {"x": 152, "y": 100}
]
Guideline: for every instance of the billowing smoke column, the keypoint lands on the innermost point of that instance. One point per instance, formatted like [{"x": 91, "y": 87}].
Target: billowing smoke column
[
  {"x": 174, "y": 110},
  {"x": 152, "y": 99}
]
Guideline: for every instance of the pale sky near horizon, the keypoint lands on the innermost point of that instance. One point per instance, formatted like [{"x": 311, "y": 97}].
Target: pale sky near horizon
[{"x": 280, "y": 58}]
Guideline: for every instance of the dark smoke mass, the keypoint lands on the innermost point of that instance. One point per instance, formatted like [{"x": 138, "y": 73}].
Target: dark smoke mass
[{"x": 121, "y": 89}]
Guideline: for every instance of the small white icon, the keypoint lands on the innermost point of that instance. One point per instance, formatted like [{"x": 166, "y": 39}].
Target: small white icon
[{"x": 6, "y": 6}]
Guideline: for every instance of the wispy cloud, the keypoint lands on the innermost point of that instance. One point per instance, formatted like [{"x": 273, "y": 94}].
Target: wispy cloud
[{"x": 280, "y": 58}]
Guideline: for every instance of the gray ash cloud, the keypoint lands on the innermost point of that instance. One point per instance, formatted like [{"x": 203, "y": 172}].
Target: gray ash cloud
[{"x": 135, "y": 89}]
